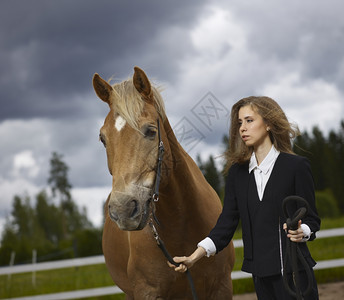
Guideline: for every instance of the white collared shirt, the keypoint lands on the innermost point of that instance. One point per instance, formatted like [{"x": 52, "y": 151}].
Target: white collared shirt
[{"x": 263, "y": 171}]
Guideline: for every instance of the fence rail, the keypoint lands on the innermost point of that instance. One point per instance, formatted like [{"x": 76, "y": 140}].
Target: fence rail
[
  {"x": 93, "y": 260},
  {"x": 58, "y": 264}
]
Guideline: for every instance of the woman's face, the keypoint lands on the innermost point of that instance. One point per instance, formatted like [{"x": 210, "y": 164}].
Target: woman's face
[{"x": 253, "y": 130}]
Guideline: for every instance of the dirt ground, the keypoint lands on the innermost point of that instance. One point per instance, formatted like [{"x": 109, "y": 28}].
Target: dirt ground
[{"x": 328, "y": 291}]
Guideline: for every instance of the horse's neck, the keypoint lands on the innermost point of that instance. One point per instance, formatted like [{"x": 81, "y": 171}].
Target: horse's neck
[
  {"x": 185, "y": 178},
  {"x": 185, "y": 197}
]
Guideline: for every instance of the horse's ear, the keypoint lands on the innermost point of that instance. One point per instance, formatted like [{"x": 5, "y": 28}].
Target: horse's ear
[
  {"x": 141, "y": 82},
  {"x": 102, "y": 88}
]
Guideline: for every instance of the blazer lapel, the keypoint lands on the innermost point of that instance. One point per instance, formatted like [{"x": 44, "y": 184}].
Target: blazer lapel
[{"x": 273, "y": 180}]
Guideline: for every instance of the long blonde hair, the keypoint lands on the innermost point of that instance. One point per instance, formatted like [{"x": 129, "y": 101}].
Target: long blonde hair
[{"x": 281, "y": 131}]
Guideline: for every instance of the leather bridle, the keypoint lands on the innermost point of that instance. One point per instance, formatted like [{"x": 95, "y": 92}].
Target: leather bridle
[{"x": 161, "y": 150}]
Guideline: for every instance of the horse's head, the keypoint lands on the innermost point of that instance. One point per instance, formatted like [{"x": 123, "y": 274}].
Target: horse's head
[{"x": 130, "y": 136}]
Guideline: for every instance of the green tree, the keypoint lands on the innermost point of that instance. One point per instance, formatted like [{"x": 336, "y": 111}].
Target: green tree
[
  {"x": 22, "y": 233},
  {"x": 49, "y": 218},
  {"x": 88, "y": 242},
  {"x": 58, "y": 179},
  {"x": 9, "y": 242},
  {"x": 326, "y": 155},
  {"x": 72, "y": 218},
  {"x": 336, "y": 163},
  {"x": 23, "y": 217},
  {"x": 210, "y": 172}
]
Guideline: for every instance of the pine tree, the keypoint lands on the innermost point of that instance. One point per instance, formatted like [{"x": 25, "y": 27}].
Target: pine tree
[
  {"x": 326, "y": 155},
  {"x": 73, "y": 219},
  {"x": 58, "y": 179},
  {"x": 49, "y": 218},
  {"x": 210, "y": 172}
]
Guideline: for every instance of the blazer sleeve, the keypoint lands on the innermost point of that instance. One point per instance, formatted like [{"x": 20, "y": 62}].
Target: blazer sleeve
[
  {"x": 304, "y": 187},
  {"x": 228, "y": 220}
]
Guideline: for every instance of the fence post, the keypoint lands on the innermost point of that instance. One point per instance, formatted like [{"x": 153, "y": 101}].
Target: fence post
[
  {"x": 13, "y": 255},
  {"x": 34, "y": 260}
]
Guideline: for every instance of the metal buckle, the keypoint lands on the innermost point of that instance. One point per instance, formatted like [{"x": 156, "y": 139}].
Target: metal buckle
[
  {"x": 154, "y": 231},
  {"x": 161, "y": 145}
]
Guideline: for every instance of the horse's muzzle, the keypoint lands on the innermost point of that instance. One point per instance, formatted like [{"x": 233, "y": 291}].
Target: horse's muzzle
[{"x": 131, "y": 214}]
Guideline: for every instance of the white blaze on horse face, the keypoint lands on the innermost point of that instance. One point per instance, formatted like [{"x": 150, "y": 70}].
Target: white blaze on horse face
[{"x": 120, "y": 123}]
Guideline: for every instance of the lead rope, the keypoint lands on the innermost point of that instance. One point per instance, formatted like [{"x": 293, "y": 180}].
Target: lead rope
[
  {"x": 162, "y": 247},
  {"x": 293, "y": 253},
  {"x": 155, "y": 198}
]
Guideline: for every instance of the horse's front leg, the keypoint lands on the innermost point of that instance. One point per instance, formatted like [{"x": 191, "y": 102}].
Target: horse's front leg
[{"x": 144, "y": 289}]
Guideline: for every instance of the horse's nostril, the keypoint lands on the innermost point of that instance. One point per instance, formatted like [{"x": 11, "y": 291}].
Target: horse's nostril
[
  {"x": 113, "y": 215},
  {"x": 135, "y": 209}
]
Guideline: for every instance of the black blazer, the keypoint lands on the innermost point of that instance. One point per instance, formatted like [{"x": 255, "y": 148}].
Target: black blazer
[{"x": 262, "y": 221}]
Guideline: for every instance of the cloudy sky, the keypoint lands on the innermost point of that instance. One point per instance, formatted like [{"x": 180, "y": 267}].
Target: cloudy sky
[{"x": 205, "y": 54}]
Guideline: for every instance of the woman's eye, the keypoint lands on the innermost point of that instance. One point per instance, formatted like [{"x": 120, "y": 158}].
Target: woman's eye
[{"x": 101, "y": 138}]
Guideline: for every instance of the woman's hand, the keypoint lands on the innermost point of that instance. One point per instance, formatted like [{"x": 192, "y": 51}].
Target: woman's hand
[
  {"x": 187, "y": 261},
  {"x": 184, "y": 263},
  {"x": 295, "y": 235}
]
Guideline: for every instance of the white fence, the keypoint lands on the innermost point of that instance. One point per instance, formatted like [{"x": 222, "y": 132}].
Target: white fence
[{"x": 77, "y": 262}]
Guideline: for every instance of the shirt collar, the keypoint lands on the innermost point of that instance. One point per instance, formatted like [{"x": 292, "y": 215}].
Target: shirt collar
[{"x": 266, "y": 163}]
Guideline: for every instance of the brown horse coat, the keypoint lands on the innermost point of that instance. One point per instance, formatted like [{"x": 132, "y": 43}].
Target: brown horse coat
[{"x": 187, "y": 209}]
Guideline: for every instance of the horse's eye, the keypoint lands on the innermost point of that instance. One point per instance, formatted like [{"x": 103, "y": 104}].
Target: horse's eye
[
  {"x": 150, "y": 132},
  {"x": 101, "y": 138}
]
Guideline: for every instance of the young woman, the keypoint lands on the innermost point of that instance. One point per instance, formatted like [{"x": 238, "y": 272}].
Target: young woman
[{"x": 262, "y": 171}]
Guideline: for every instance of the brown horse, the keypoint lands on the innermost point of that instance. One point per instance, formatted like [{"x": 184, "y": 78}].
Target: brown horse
[{"x": 187, "y": 209}]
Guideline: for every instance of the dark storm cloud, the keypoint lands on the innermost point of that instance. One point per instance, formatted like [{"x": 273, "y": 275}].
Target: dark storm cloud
[
  {"x": 311, "y": 32},
  {"x": 49, "y": 49}
]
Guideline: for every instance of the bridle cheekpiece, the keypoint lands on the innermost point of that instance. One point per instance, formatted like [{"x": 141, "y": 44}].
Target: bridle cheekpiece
[{"x": 161, "y": 150}]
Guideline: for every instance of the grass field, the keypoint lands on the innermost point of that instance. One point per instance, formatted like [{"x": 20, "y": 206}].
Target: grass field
[{"x": 77, "y": 278}]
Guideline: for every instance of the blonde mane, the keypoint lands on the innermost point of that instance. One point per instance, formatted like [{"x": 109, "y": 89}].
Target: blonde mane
[{"x": 129, "y": 105}]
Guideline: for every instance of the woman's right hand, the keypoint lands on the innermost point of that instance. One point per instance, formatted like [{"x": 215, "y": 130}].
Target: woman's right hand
[{"x": 186, "y": 262}]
